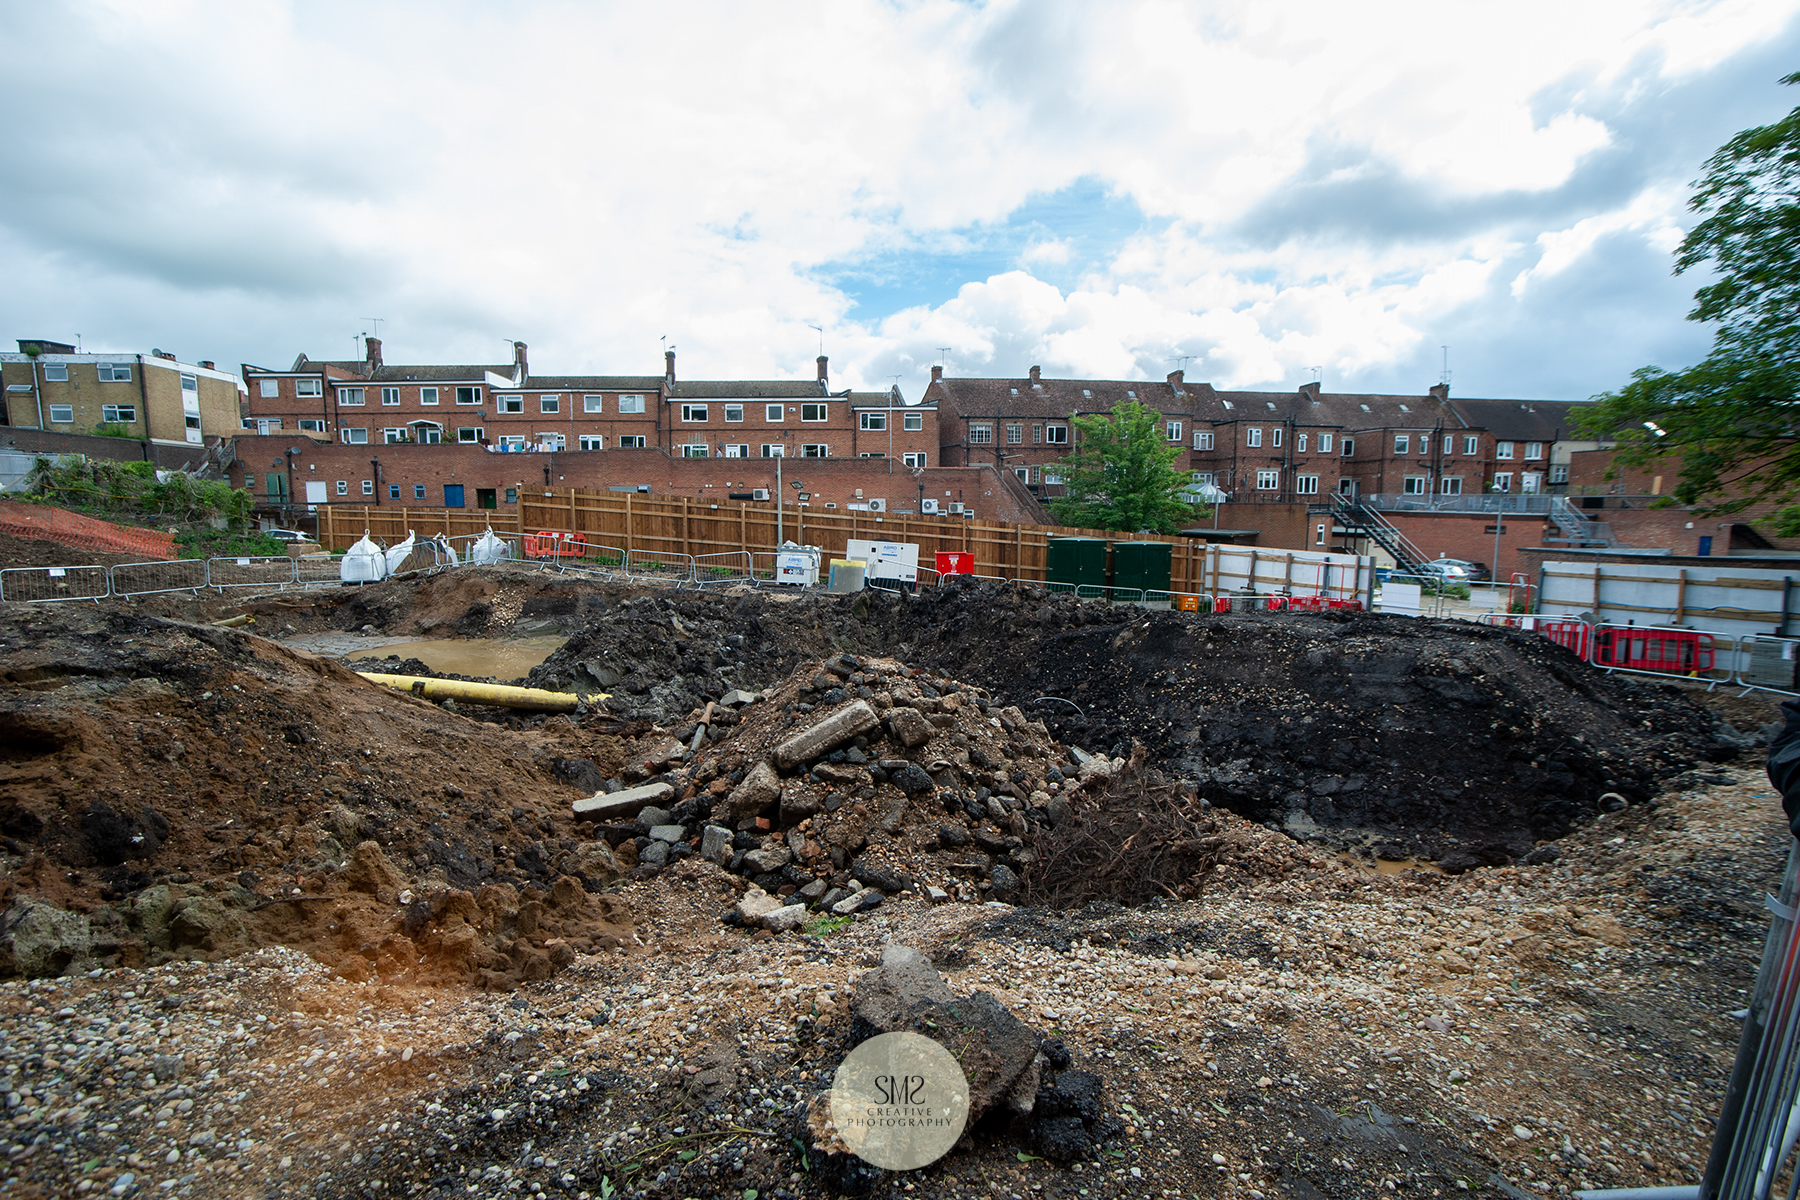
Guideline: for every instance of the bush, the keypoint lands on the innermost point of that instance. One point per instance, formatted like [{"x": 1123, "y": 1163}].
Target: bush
[
  {"x": 220, "y": 543},
  {"x": 133, "y": 490}
]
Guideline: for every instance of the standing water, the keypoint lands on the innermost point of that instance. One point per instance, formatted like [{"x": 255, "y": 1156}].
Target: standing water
[{"x": 493, "y": 658}]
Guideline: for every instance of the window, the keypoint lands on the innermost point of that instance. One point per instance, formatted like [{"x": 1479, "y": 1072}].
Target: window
[
  {"x": 426, "y": 433},
  {"x": 121, "y": 373},
  {"x": 873, "y": 422},
  {"x": 693, "y": 451},
  {"x": 1252, "y": 437},
  {"x": 631, "y": 441},
  {"x": 393, "y": 491},
  {"x": 737, "y": 451},
  {"x": 550, "y": 404},
  {"x": 468, "y": 395},
  {"x": 1268, "y": 481},
  {"x": 343, "y": 487},
  {"x": 1471, "y": 445},
  {"x": 1349, "y": 447},
  {"x": 734, "y": 412},
  {"x": 56, "y": 372},
  {"x": 508, "y": 404},
  {"x": 772, "y": 412},
  {"x": 390, "y": 397},
  {"x": 1503, "y": 449},
  {"x": 1037, "y": 435},
  {"x": 189, "y": 383},
  {"x": 1172, "y": 429},
  {"x": 1450, "y": 485},
  {"x": 1413, "y": 485},
  {"x": 871, "y": 454},
  {"x": 1024, "y": 474},
  {"x": 1051, "y": 477},
  {"x": 1300, "y": 443},
  {"x": 125, "y": 414},
  {"x": 1503, "y": 482},
  {"x": 593, "y": 404},
  {"x": 390, "y": 436},
  {"x": 1058, "y": 435},
  {"x": 276, "y": 485},
  {"x": 1318, "y": 535},
  {"x": 1529, "y": 481},
  {"x": 772, "y": 450},
  {"x": 470, "y": 434},
  {"x": 1534, "y": 450},
  {"x": 428, "y": 396},
  {"x": 368, "y": 487},
  {"x": 62, "y": 414},
  {"x": 512, "y": 441},
  {"x": 1559, "y": 472},
  {"x": 981, "y": 435},
  {"x": 631, "y": 404},
  {"x": 815, "y": 449},
  {"x": 1401, "y": 443},
  {"x": 313, "y": 425},
  {"x": 1306, "y": 485},
  {"x": 1275, "y": 436},
  {"x": 263, "y": 425},
  {"x": 512, "y": 495},
  {"x": 1324, "y": 443},
  {"x": 590, "y": 441},
  {"x": 1449, "y": 443},
  {"x": 268, "y": 388},
  {"x": 913, "y": 460},
  {"x": 418, "y": 491},
  {"x": 693, "y": 414},
  {"x": 307, "y": 387},
  {"x": 813, "y": 412},
  {"x": 1203, "y": 439},
  {"x": 350, "y": 397},
  {"x": 912, "y": 422},
  {"x": 552, "y": 441},
  {"x": 354, "y": 437}
]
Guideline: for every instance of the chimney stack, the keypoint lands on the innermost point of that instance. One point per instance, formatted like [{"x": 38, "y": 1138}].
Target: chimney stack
[
  {"x": 521, "y": 367},
  {"x": 1440, "y": 392},
  {"x": 824, "y": 374},
  {"x": 206, "y": 364},
  {"x": 1176, "y": 379},
  {"x": 1034, "y": 377},
  {"x": 937, "y": 374},
  {"x": 1311, "y": 389},
  {"x": 669, "y": 367},
  {"x": 372, "y": 351}
]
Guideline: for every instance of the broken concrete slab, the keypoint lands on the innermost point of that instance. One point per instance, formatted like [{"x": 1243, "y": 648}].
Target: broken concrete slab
[
  {"x": 909, "y": 726},
  {"x": 824, "y": 736},
  {"x": 738, "y": 697},
  {"x": 756, "y": 904},
  {"x": 669, "y": 833},
  {"x": 604, "y": 806},
  {"x": 760, "y": 788},
  {"x": 786, "y": 918},
  {"x": 715, "y": 843}
]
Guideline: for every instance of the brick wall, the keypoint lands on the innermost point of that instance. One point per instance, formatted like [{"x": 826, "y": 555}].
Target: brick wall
[
  {"x": 1471, "y": 536},
  {"x": 166, "y": 457}
]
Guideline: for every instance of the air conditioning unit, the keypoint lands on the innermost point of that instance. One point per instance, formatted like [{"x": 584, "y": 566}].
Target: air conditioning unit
[
  {"x": 761, "y": 493},
  {"x": 877, "y": 504},
  {"x": 928, "y": 507},
  {"x": 956, "y": 507}
]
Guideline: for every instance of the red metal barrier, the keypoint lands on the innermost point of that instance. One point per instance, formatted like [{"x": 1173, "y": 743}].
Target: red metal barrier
[{"x": 1675, "y": 651}]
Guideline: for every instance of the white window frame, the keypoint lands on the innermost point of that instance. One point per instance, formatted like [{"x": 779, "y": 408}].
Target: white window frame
[
  {"x": 695, "y": 450},
  {"x": 351, "y": 397},
  {"x": 390, "y": 397},
  {"x": 555, "y": 442},
  {"x": 1449, "y": 443},
  {"x": 509, "y": 404},
  {"x": 593, "y": 404},
  {"x": 1472, "y": 445},
  {"x": 820, "y": 408},
  {"x": 1413, "y": 485},
  {"x": 1253, "y": 436},
  {"x": 1306, "y": 485},
  {"x": 1056, "y": 435},
  {"x": 1299, "y": 443},
  {"x": 343, "y": 487},
  {"x": 735, "y": 450},
  {"x": 308, "y": 388},
  {"x": 872, "y": 422},
  {"x": 468, "y": 396},
  {"x": 981, "y": 434},
  {"x": 1268, "y": 480},
  {"x": 67, "y": 411},
  {"x": 268, "y": 389},
  {"x": 1324, "y": 443},
  {"x": 1203, "y": 439},
  {"x": 368, "y": 488},
  {"x": 815, "y": 450},
  {"x": 126, "y": 414},
  {"x": 1172, "y": 430},
  {"x": 1503, "y": 451},
  {"x": 426, "y": 433},
  {"x": 633, "y": 441},
  {"x": 118, "y": 373},
  {"x": 1450, "y": 485},
  {"x": 774, "y": 412},
  {"x": 1275, "y": 437},
  {"x": 311, "y": 425},
  {"x": 353, "y": 437},
  {"x": 56, "y": 372},
  {"x": 912, "y": 422},
  {"x": 512, "y": 441},
  {"x": 428, "y": 396},
  {"x": 734, "y": 414},
  {"x": 1559, "y": 473},
  {"x": 392, "y": 435},
  {"x": 1531, "y": 483},
  {"x": 1349, "y": 445},
  {"x": 694, "y": 414},
  {"x": 1402, "y": 443},
  {"x": 915, "y": 459},
  {"x": 631, "y": 404},
  {"x": 1534, "y": 451},
  {"x": 551, "y": 403},
  {"x": 469, "y": 435},
  {"x": 774, "y": 450},
  {"x": 1503, "y": 481},
  {"x": 591, "y": 441}
]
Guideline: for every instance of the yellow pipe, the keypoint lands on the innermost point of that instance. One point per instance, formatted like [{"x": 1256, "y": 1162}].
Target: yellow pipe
[{"x": 482, "y": 693}]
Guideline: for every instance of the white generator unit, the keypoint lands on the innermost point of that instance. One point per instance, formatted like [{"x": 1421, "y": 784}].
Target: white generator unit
[
  {"x": 888, "y": 562},
  {"x": 797, "y": 566}
]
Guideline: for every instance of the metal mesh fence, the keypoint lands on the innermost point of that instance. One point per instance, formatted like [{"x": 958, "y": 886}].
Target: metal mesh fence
[
  {"x": 153, "y": 578},
  {"x": 651, "y": 566},
  {"x": 39, "y": 585},
  {"x": 271, "y": 572}
]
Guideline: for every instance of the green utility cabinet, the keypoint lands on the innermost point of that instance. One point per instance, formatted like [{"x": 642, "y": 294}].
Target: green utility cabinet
[
  {"x": 1076, "y": 561},
  {"x": 1142, "y": 565}
]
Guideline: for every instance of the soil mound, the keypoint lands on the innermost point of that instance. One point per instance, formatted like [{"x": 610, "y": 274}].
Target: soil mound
[{"x": 181, "y": 791}]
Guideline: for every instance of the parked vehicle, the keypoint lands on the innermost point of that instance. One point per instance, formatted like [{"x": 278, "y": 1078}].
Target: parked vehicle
[
  {"x": 287, "y": 535},
  {"x": 1471, "y": 570}
]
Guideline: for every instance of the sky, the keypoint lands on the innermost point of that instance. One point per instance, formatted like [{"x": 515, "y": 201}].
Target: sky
[{"x": 1261, "y": 194}]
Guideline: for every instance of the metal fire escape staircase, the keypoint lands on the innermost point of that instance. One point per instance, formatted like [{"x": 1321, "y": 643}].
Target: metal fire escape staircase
[
  {"x": 1577, "y": 529},
  {"x": 1360, "y": 520}
]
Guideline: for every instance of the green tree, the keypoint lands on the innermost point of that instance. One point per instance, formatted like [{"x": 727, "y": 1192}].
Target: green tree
[
  {"x": 1122, "y": 474},
  {"x": 1729, "y": 419}
]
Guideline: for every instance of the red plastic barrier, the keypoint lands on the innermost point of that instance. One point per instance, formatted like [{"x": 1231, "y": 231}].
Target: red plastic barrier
[{"x": 1676, "y": 651}]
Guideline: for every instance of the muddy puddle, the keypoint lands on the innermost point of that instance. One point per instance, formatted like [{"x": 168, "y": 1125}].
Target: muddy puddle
[
  {"x": 503, "y": 659},
  {"x": 1391, "y": 866}
]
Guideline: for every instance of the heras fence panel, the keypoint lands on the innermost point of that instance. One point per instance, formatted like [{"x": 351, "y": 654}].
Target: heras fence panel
[
  {"x": 716, "y": 569},
  {"x": 40, "y": 585},
  {"x": 272, "y": 573},
  {"x": 1661, "y": 650},
  {"x": 653, "y": 566},
  {"x": 318, "y": 570},
  {"x": 1769, "y": 664},
  {"x": 606, "y": 561},
  {"x": 152, "y": 578}
]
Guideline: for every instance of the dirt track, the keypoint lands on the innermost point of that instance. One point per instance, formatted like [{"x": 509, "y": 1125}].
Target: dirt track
[{"x": 197, "y": 792}]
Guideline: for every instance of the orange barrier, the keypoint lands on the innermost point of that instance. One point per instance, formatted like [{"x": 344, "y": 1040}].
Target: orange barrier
[
  {"x": 545, "y": 544},
  {"x": 83, "y": 533}
]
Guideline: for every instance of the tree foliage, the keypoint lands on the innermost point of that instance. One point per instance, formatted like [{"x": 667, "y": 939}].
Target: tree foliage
[
  {"x": 1122, "y": 474},
  {"x": 1730, "y": 419},
  {"x": 133, "y": 490}
]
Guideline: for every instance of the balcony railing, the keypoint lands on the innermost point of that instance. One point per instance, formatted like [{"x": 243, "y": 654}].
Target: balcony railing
[{"x": 1492, "y": 502}]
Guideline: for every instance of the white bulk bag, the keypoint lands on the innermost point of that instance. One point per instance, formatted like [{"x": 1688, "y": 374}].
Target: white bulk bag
[
  {"x": 363, "y": 563},
  {"x": 397, "y": 554},
  {"x": 489, "y": 549}
]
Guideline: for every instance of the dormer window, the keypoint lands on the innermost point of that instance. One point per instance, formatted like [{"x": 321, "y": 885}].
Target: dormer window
[
  {"x": 1403, "y": 408},
  {"x": 1086, "y": 394},
  {"x": 1271, "y": 405},
  {"x": 1364, "y": 407},
  {"x": 1226, "y": 403}
]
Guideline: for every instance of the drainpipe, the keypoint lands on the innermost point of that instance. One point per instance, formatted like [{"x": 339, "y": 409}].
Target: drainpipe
[
  {"x": 375, "y": 466},
  {"x": 144, "y": 405},
  {"x": 36, "y": 393}
]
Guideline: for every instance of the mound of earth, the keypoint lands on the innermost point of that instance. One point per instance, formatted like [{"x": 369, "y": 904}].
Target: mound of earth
[{"x": 181, "y": 791}]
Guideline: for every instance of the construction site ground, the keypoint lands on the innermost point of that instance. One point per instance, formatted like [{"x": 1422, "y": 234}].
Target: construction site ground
[{"x": 281, "y": 992}]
